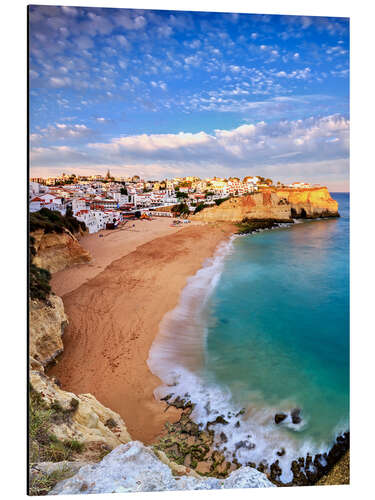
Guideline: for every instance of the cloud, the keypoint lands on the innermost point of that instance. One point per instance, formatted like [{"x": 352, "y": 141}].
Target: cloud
[
  {"x": 60, "y": 82},
  {"x": 84, "y": 42},
  {"x": 164, "y": 31},
  {"x": 70, "y": 11},
  {"x": 249, "y": 147},
  {"x": 63, "y": 132},
  {"x": 130, "y": 22}
]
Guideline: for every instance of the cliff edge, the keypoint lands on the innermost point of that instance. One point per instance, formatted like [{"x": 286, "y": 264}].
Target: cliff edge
[
  {"x": 277, "y": 204},
  {"x": 56, "y": 251}
]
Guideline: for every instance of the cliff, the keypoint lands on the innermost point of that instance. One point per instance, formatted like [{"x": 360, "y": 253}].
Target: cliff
[
  {"x": 309, "y": 203},
  {"x": 266, "y": 205},
  {"x": 47, "y": 323},
  {"x": 280, "y": 205},
  {"x": 79, "y": 418},
  {"x": 65, "y": 431},
  {"x": 134, "y": 467},
  {"x": 56, "y": 251}
]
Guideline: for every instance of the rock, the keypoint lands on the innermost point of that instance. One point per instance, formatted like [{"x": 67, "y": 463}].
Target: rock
[
  {"x": 244, "y": 444},
  {"x": 167, "y": 397},
  {"x": 50, "y": 467},
  {"x": 223, "y": 437},
  {"x": 295, "y": 414},
  {"x": 218, "y": 420},
  {"x": 83, "y": 418},
  {"x": 134, "y": 467},
  {"x": 281, "y": 453},
  {"x": 280, "y": 204},
  {"x": 46, "y": 327},
  {"x": 275, "y": 471},
  {"x": 56, "y": 251},
  {"x": 280, "y": 417}
]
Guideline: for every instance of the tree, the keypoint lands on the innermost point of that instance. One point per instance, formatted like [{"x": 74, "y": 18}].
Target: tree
[
  {"x": 185, "y": 184},
  {"x": 179, "y": 195},
  {"x": 181, "y": 209},
  {"x": 199, "y": 207}
]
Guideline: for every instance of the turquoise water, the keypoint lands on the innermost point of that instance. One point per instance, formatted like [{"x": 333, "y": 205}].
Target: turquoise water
[
  {"x": 264, "y": 327},
  {"x": 282, "y": 321}
]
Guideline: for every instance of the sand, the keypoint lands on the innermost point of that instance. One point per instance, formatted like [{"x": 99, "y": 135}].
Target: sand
[
  {"x": 107, "y": 246},
  {"x": 115, "y": 305}
]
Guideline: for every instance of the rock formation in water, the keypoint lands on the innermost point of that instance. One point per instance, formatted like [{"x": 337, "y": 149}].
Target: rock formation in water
[
  {"x": 56, "y": 251},
  {"x": 309, "y": 203},
  {"x": 135, "y": 467},
  {"x": 278, "y": 205}
]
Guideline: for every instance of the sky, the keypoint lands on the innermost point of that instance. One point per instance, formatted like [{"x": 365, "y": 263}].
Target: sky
[{"x": 167, "y": 94}]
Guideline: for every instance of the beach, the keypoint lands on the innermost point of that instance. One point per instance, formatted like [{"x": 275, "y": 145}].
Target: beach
[
  {"x": 115, "y": 304},
  {"x": 107, "y": 246}
]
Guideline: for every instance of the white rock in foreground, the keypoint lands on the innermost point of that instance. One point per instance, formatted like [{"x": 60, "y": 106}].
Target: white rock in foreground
[{"x": 134, "y": 467}]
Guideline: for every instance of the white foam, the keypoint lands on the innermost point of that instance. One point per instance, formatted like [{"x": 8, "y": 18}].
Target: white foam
[{"x": 177, "y": 358}]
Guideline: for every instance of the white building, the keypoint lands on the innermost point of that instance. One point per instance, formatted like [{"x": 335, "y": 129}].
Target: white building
[{"x": 78, "y": 204}]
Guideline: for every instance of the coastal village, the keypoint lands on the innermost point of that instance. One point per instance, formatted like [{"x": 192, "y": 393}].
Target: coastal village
[
  {"x": 105, "y": 202},
  {"x": 87, "y": 310}
]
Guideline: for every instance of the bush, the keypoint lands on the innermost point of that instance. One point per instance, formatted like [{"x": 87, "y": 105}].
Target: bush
[
  {"x": 200, "y": 207},
  {"x": 52, "y": 221},
  {"x": 180, "y": 194},
  {"x": 180, "y": 209},
  {"x": 42, "y": 483},
  {"x": 40, "y": 286},
  {"x": 45, "y": 446},
  {"x": 221, "y": 200}
]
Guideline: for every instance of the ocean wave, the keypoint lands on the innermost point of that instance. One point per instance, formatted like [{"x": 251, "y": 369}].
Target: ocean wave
[{"x": 177, "y": 357}]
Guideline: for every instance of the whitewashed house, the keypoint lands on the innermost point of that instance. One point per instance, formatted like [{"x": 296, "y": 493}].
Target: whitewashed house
[{"x": 78, "y": 204}]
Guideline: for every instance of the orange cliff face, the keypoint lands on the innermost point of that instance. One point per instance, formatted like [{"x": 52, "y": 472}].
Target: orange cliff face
[
  {"x": 56, "y": 251},
  {"x": 280, "y": 205},
  {"x": 310, "y": 203}
]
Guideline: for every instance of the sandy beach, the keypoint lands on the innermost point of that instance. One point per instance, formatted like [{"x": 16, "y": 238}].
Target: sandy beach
[
  {"x": 115, "y": 304},
  {"x": 107, "y": 246}
]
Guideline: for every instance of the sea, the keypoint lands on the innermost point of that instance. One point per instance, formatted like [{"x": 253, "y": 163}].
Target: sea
[{"x": 263, "y": 328}]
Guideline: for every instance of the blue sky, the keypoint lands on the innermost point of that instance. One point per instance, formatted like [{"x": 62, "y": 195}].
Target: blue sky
[{"x": 167, "y": 93}]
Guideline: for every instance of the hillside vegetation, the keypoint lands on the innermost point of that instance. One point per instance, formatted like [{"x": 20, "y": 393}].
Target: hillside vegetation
[{"x": 53, "y": 221}]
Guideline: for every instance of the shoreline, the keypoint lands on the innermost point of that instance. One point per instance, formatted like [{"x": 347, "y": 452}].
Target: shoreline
[
  {"x": 175, "y": 360},
  {"x": 114, "y": 315}
]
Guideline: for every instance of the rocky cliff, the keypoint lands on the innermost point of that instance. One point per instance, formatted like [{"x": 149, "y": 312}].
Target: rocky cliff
[
  {"x": 80, "y": 418},
  {"x": 309, "y": 203},
  {"x": 56, "y": 251},
  {"x": 280, "y": 205},
  {"x": 47, "y": 323},
  {"x": 135, "y": 467}
]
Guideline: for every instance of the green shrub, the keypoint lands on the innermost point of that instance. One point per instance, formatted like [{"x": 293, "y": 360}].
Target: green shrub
[
  {"x": 44, "y": 446},
  {"x": 42, "y": 483},
  {"x": 221, "y": 200},
  {"x": 200, "y": 207},
  {"x": 52, "y": 221},
  {"x": 40, "y": 286},
  {"x": 182, "y": 208}
]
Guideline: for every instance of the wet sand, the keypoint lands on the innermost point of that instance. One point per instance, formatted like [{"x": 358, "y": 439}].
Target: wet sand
[{"x": 114, "y": 316}]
